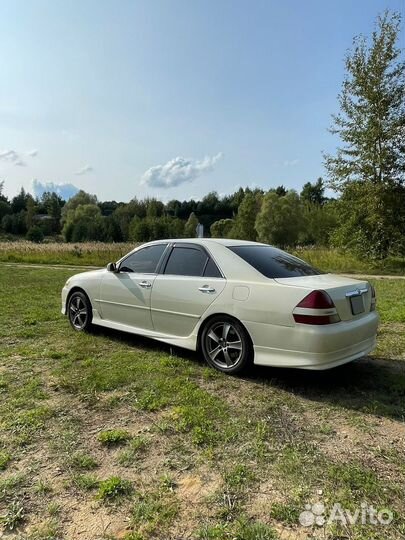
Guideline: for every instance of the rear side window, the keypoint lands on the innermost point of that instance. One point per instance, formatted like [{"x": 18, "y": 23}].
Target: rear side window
[
  {"x": 273, "y": 262},
  {"x": 185, "y": 261},
  {"x": 144, "y": 261},
  {"x": 211, "y": 270}
]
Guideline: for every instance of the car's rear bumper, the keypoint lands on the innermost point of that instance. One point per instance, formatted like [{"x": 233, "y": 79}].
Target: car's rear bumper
[{"x": 314, "y": 347}]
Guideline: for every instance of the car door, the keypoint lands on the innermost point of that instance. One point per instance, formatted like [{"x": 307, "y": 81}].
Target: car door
[
  {"x": 125, "y": 294},
  {"x": 189, "y": 283}
]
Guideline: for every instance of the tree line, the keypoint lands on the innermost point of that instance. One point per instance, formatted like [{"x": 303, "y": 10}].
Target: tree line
[
  {"x": 280, "y": 216},
  {"x": 367, "y": 173}
]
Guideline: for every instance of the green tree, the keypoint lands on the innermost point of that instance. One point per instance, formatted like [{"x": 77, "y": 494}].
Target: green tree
[
  {"x": 313, "y": 193},
  {"x": 81, "y": 198},
  {"x": 221, "y": 228},
  {"x": 19, "y": 202},
  {"x": 31, "y": 210},
  {"x": 191, "y": 226},
  {"x": 84, "y": 222},
  {"x": 318, "y": 223},
  {"x": 369, "y": 168},
  {"x": 244, "y": 227},
  {"x": 279, "y": 220},
  {"x": 281, "y": 191}
]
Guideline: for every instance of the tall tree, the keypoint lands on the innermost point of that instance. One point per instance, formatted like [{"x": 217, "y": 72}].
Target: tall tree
[
  {"x": 279, "y": 220},
  {"x": 313, "y": 193},
  {"x": 190, "y": 228},
  {"x": 371, "y": 122},
  {"x": 244, "y": 227},
  {"x": 370, "y": 164}
]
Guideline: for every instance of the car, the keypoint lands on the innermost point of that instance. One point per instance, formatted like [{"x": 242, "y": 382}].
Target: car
[{"x": 235, "y": 301}]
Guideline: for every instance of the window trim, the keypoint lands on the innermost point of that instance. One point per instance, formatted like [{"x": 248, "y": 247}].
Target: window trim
[
  {"x": 189, "y": 245},
  {"x": 138, "y": 250}
]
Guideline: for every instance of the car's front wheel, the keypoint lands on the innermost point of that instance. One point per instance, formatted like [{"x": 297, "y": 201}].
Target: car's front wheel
[
  {"x": 79, "y": 311},
  {"x": 226, "y": 345}
]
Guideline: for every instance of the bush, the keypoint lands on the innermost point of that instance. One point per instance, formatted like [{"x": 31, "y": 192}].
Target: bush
[{"x": 35, "y": 234}]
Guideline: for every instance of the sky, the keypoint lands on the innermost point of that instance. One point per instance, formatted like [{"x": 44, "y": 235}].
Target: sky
[{"x": 171, "y": 99}]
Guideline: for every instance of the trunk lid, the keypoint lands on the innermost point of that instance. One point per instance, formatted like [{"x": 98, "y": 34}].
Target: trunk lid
[{"x": 352, "y": 297}]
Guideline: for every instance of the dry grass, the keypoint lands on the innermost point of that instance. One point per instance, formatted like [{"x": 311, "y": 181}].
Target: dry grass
[
  {"x": 86, "y": 253},
  {"x": 100, "y": 253}
]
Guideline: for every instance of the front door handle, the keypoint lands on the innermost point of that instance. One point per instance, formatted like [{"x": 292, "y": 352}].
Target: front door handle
[
  {"x": 206, "y": 289},
  {"x": 145, "y": 284}
]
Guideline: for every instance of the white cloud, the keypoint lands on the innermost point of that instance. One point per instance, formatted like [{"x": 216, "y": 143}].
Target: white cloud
[
  {"x": 178, "y": 171},
  {"x": 84, "y": 170},
  {"x": 66, "y": 191},
  {"x": 32, "y": 153},
  {"x": 11, "y": 156},
  {"x": 8, "y": 155},
  {"x": 291, "y": 162}
]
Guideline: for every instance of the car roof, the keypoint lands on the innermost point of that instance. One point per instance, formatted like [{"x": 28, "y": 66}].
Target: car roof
[{"x": 208, "y": 241}]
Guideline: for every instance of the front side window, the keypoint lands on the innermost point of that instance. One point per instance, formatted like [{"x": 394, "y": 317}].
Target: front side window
[
  {"x": 144, "y": 261},
  {"x": 274, "y": 263},
  {"x": 185, "y": 261}
]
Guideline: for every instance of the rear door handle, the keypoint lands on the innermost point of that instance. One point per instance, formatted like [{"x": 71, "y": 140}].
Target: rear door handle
[
  {"x": 206, "y": 289},
  {"x": 145, "y": 284}
]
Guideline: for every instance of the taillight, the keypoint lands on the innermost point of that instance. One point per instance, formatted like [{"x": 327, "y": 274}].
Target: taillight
[
  {"x": 373, "y": 299},
  {"x": 316, "y": 308}
]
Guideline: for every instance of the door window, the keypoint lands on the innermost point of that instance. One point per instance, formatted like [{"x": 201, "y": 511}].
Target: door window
[
  {"x": 144, "y": 261},
  {"x": 186, "y": 261}
]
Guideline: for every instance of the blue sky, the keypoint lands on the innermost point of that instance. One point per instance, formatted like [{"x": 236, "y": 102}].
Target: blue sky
[{"x": 172, "y": 98}]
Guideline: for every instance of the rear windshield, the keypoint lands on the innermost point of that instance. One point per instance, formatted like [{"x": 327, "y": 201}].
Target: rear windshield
[{"x": 274, "y": 263}]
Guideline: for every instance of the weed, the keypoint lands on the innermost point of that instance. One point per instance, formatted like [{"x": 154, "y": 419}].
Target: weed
[
  {"x": 113, "y": 437},
  {"x": 42, "y": 487},
  {"x": 85, "y": 482},
  {"x": 238, "y": 477},
  {"x": 5, "y": 458},
  {"x": 83, "y": 462},
  {"x": 14, "y": 515},
  {"x": 286, "y": 513},
  {"x": 113, "y": 488},
  {"x": 136, "y": 447},
  {"x": 54, "y": 509},
  {"x": 153, "y": 511}
]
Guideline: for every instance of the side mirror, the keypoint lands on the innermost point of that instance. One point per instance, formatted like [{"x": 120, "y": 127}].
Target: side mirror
[{"x": 111, "y": 267}]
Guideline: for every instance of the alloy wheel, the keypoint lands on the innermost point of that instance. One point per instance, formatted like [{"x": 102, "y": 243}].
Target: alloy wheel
[
  {"x": 78, "y": 312},
  {"x": 224, "y": 345}
]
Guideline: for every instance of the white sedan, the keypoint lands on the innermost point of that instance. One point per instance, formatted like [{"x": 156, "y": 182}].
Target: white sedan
[{"x": 235, "y": 301}]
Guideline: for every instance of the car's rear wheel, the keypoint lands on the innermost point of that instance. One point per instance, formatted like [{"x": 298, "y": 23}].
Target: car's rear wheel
[
  {"x": 226, "y": 345},
  {"x": 79, "y": 311}
]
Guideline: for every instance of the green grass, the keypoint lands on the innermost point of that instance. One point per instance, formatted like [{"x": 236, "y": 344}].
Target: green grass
[
  {"x": 199, "y": 448},
  {"x": 114, "y": 437},
  {"x": 83, "y": 462},
  {"x": 113, "y": 488}
]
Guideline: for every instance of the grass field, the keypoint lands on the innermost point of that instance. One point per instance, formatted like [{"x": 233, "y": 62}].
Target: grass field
[
  {"x": 107, "y": 435},
  {"x": 99, "y": 254},
  {"x": 87, "y": 253}
]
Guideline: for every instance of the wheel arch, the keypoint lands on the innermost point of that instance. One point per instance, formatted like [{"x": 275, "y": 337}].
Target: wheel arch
[
  {"x": 212, "y": 316},
  {"x": 74, "y": 289}
]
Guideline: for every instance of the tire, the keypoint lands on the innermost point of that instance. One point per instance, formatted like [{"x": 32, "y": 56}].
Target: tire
[
  {"x": 79, "y": 311},
  {"x": 226, "y": 345}
]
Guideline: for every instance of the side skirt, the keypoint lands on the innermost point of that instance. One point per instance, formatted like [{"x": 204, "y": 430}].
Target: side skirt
[{"x": 188, "y": 342}]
